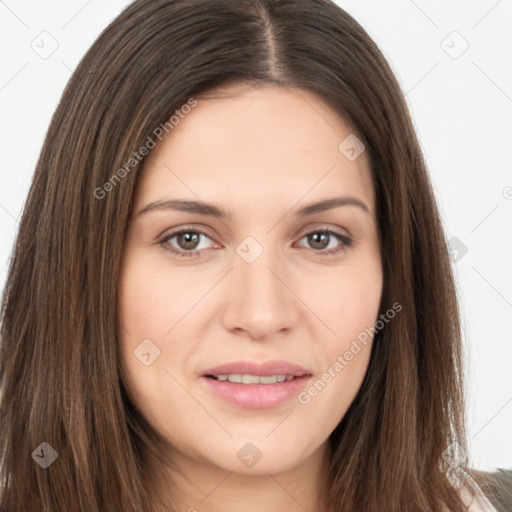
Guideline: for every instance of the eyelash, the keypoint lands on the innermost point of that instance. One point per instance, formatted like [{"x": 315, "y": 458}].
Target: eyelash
[{"x": 163, "y": 242}]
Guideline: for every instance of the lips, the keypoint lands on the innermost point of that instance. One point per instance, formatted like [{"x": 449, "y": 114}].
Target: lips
[
  {"x": 258, "y": 369},
  {"x": 256, "y": 385}
]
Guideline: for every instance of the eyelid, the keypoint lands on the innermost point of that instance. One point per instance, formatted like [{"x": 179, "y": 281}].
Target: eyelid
[
  {"x": 185, "y": 229},
  {"x": 323, "y": 227}
]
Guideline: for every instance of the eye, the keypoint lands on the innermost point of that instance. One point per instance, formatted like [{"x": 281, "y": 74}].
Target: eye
[
  {"x": 322, "y": 239},
  {"x": 187, "y": 242}
]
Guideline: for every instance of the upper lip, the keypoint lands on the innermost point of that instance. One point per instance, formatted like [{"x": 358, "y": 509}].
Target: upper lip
[{"x": 261, "y": 369}]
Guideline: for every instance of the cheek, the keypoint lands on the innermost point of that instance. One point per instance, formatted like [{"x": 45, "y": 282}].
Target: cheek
[
  {"x": 140, "y": 316},
  {"x": 144, "y": 314},
  {"x": 152, "y": 301},
  {"x": 360, "y": 299},
  {"x": 347, "y": 302},
  {"x": 141, "y": 289},
  {"x": 349, "y": 306},
  {"x": 152, "y": 298}
]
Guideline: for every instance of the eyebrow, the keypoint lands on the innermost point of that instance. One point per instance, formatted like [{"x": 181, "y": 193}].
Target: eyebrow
[{"x": 211, "y": 210}]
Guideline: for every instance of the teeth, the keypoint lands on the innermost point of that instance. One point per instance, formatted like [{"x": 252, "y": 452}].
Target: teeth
[
  {"x": 253, "y": 379},
  {"x": 250, "y": 379},
  {"x": 270, "y": 379}
]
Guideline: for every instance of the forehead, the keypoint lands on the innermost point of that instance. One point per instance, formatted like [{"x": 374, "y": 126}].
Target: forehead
[{"x": 264, "y": 143}]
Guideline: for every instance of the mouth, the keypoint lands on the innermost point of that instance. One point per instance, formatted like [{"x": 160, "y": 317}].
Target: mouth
[
  {"x": 238, "y": 378},
  {"x": 254, "y": 385}
]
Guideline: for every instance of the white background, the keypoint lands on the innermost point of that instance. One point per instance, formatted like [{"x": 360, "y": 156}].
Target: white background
[{"x": 462, "y": 109}]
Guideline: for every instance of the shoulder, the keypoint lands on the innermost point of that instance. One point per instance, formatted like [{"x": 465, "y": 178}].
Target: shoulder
[{"x": 495, "y": 488}]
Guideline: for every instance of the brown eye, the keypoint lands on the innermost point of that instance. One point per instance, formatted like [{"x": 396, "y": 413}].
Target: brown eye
[
  {"x": 188, "y": 240},
  {"x": 319, "y": 240},
  {"x": 184, "y": 242},
  {"x": 323, "y": 239}
]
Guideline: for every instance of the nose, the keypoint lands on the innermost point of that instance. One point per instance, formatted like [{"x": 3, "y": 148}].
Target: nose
[{"x": 260, "y": 297}]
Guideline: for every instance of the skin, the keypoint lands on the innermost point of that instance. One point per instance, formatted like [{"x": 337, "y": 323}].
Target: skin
[{"x": 261, "y": 154}]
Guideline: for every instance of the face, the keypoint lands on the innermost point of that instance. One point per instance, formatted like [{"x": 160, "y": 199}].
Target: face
[{"x": 261, "y": 287}]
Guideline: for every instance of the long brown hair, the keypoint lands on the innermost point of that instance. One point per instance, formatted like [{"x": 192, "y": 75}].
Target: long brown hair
[{"x": 61, "y": 380}]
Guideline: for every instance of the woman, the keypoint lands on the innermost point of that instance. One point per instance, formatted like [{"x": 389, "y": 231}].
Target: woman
[{"x": 230, "y": 286}]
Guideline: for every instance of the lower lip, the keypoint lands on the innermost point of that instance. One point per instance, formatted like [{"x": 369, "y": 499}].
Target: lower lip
[{"x": 257, "y": 396}]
